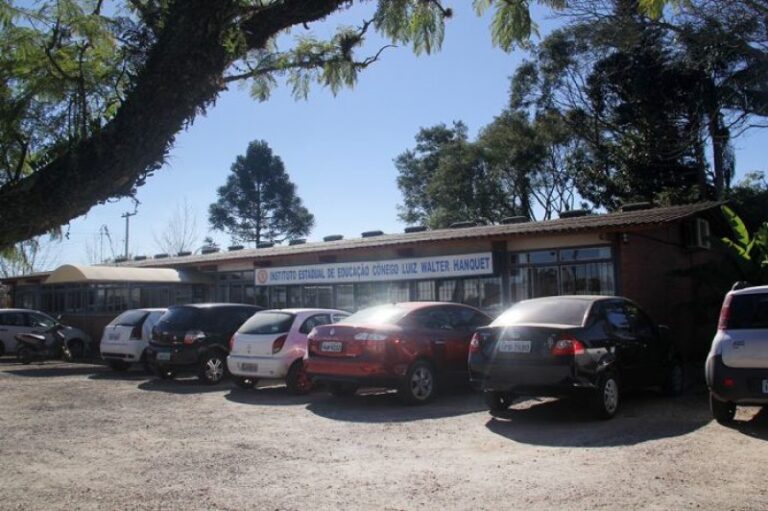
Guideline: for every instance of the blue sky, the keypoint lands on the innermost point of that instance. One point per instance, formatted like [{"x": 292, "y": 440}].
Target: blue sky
[{"x": 338, "y": 150}]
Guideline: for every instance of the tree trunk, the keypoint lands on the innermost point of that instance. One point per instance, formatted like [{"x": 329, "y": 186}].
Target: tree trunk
[{"x": 182, "y": 75}]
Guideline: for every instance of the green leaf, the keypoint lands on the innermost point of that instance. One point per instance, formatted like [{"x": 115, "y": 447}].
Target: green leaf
[{"x": 740, "y": 233}]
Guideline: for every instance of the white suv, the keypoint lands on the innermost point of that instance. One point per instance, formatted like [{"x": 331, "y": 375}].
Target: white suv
[
  {"x": 273, "y": 344},
  {"x": 737, "y": 365}
]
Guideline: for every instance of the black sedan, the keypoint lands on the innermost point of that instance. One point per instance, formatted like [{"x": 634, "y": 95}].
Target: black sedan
[{"x": 567, "y": 345}]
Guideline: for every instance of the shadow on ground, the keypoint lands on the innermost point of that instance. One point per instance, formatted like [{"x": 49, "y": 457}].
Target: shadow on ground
[
  {"x": 54, "y": 369},
  {"x": 372, "y": 405},
  {"x": 756, "y": 427},
  {"x": 189, "y": 385},
  {"x": 270, "y": 394},
  {"x": 130, "y": 375},
  {"x": 570, "y": 423}
]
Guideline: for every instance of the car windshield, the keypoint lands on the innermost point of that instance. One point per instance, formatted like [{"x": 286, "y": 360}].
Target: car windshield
[
  {"x": 267, "y": 322},
  {"x": 748, "y": 311},
  {"x": 181, "y": 317},
  {"x": 378, "y": 315},
  {"x": 557, "y": 311},
  {"x": 129, "y": 318}
]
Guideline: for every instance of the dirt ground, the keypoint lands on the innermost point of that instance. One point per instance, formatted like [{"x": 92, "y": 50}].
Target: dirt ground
[{"x": 77, "y": 436}]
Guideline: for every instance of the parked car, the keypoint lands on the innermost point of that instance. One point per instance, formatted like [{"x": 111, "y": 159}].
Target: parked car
[
  {"x": 125, "y": 338},
  {"x": 195, "y": 338},
  {"x": 413, "y": 347},
  {"x": 567, "y": 345},
  {"x": 737, "y": 365},
  {"x": 273, "y": 344},
  {"x": 17, "y": 321}
]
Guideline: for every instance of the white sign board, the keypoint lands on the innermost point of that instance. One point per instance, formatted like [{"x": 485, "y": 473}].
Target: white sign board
[{"x": 378, "y": 271}]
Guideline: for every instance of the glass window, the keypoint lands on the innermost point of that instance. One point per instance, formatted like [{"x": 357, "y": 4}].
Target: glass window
[
  {"x": 433, "y": 318},
  {"x": 294, "y": 296},
  {"x": 261, "y": 297},
  {"x": 268, "y": 322},
  {"x": 345, "y": 297},
  {"x": 748, "y": 311},
  {"x": 398, "y": 292},
  {"x": 560, "y": 311},
  {"x": 424, "y": 291},
  {"x": 617, "y": 318},
  {"x": 379, "y": 315},
  {"x": 313, "y": 321},
  {"x": 585, "y": 253},
  {"x": 12, "y": 319},
  {"x": 587, "y": 279},
  {"x": 129, "y": 318},
  {"x": 41, "y": 320},
  {"x": 448, "y": 291},
  {"x": 318, "y": 296},
  {"x": 278, "y": 297}
]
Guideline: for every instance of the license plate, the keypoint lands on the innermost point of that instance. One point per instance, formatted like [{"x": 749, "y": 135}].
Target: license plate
[
  {"x": 245, "y": 366},
  {"x": 164, "y": 355},
  {"x": 330, "y": 346},
  {"x": 765, "y": 386},
  {"x": 515, "y": 346}
]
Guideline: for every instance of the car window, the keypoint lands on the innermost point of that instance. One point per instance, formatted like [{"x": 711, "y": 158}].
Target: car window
[
  {"x": 181, "y": 318},
  {"x": 338, "y": 316},
  {"x": 748, "y": 311},
  {"x": 229, "y": 319},
  {"x": 555, "y": 310},
  {"x": 129, "y": 318},
  {"x": 12, "y": 319},
  {"x": 268, "y": 322},
  {"x": 377, "y": 315},
  {"x": 436, "y": 318},
  {"x": 617, "y": 318},
  {"x": 639, "y": 322},
  {"x": 313, "y": 321},
  {"x": 463, "y": 318},
  {"x": 41, "y": 320}
]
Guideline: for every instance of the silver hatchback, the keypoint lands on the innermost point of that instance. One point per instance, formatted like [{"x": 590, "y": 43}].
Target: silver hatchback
[{"x": 737, "y": 365}]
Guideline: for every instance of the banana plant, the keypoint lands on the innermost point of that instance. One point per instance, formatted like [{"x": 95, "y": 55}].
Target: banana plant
[{"x": 750, "y": 251}]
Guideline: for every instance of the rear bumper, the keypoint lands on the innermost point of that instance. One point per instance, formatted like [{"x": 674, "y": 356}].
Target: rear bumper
[
  {"x": 267, "y": 367},
  {"x": 167, "y": 357},
  {"x": 128, "y": 352},
  {"x": 745, "y": 384},
  {"x": 362, "y": 373},
  {"x": 532, "y": 380}
]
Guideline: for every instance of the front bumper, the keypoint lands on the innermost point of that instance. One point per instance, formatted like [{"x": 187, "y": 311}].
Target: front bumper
[{"x": 745, "y": 386}]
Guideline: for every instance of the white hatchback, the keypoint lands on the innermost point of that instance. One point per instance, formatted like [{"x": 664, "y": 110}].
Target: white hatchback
[
  {"x": 273, "y": 344},
  {"x": 127, "y": 336}
]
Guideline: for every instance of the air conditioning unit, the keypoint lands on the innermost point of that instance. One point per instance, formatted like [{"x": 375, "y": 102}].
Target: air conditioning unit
[{"x": 696, "y": 233}]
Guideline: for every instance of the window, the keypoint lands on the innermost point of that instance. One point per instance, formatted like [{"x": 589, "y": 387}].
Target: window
[
  {"x": 12, "y": 319},
  {"x": 567, "y": 271},
  {"x": 748, "y": 311},
  {"x": 267, "y": 322},
  {"x": 345, "y": 297},
  {"x": 434, "y": 318},
  {"x": 313, "y": 321},
  {"x": 423, "y": 291},
  {"x": 617, "y": 319},
  {"x": 448, "y": 291}
]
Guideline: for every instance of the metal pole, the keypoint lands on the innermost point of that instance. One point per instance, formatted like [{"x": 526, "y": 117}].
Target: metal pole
[{"x": 127, "y": 217}]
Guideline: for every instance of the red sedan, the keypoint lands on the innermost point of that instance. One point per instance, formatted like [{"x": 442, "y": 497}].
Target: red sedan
[{"x": 410, "y": 346}]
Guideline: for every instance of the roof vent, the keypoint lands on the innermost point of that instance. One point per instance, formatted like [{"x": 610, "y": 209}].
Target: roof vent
[
  {"x": 299, "y": 241},
  {"x": 232, "y": 248},
  {"x": 184, "y": 253},
  {"x": 575, "y": 213},
  {"x": 161, "y": 256},
  {"x": 463, "y": 225},
  {"x": 139, "y": 258},
  {"x": 209, "y": 250},
  {"x": 371, "y": 234},
  {"x": 333, "y": 237},
  {"x": 415, "y": 228},
  {"x": 265, "y": 244},
  {"x": 636, "y": 206},
  {"x": 521, "y": 219}
]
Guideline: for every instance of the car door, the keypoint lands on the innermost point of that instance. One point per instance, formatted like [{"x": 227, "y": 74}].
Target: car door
[
  {"x": 435, "y": 333},
  {"x": 653, "y": 352},
  {"x": 12, "y": 323},
  {"x": 464, "y": 322},
  {"x": 627, "y": 347}
]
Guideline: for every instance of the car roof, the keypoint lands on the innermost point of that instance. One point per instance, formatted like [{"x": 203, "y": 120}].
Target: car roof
[
  {"x": 307, "y": 311},
  {"x": 750, "y": 290},
  {"x": 211, "y": 305}
]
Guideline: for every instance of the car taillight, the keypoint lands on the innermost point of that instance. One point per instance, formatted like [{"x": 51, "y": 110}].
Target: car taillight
[
  {"x": 475, "y": 345},
  {"x": 567, "y": 346},
  {"x": 374, "y": 342},
  {"x": 136, "y": 333},
  {"x": 193, "y": 336},
  {"x": 725, "y": 313},
  {"x": 279, "y": 343}
]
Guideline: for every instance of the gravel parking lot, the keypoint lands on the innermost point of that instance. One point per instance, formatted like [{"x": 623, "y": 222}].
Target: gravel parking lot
[{"x": 77, "y": 436}]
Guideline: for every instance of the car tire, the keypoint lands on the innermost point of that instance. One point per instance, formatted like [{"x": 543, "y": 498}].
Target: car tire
[
  {"x": 674, "y": 380},
  {"x": 420, "y": 384},
  {"x": 722, "y": 411},
  {"x": 119, "y": 365},
  {"x": 25, "y": 355},
  {"x": 76, "y": 349},
  {"x": 245, "y": 383},
  {"x": 607, "y": 396},
  {"x": 213, "y": 368},
  {"x": 297, "y": 380},
  {"x": 498, "y": 401},
  {"x": 342, "y": 389}
]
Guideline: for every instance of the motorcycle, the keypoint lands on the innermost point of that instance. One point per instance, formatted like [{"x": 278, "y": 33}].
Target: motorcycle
[{"x": 51, "y": 344}]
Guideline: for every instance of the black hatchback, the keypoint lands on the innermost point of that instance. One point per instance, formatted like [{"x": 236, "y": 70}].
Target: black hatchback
[
  {"x": 569, "y": 345},
  {"x": 195, "y": 338}
]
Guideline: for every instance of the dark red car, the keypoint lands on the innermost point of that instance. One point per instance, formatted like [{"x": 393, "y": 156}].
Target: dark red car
[{"x": 410, "y": 346}]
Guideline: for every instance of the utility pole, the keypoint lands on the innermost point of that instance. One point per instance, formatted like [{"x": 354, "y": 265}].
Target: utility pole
[{"x": 127, "y": 217}]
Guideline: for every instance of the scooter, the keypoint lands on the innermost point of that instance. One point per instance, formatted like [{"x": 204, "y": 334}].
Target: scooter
[{"x": 51, "y": 344}]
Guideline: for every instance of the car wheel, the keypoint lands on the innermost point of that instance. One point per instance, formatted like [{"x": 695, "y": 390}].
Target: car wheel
[
  {"x": 674, "y": 382},
  {"x": 498, "y": 401},
  {"x": 297, "y": 380},
  {"x": 342, "y": 389},
  {"x": 420, "y": 384},
  {"x": 119, "y": 365},
  {"x": 245, "y": 383},
  {"x": 76, "y": 348},
  {"x": 25, "y": 355},
  {"x": 605, "y": 401},
  {"x": 212, "y": 369},
  {"x": 722, "y": 411}
]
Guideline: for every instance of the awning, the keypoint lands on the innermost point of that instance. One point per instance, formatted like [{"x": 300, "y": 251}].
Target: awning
[{"x": 78, "y": 274}]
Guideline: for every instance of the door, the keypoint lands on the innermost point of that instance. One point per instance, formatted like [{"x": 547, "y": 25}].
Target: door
[
  {"x": 12, "y": 323},
  {"x": 435, "y": 333},
  {"x": 464, "y": 322},
  {"x": 627, "y": 347},
  {"x": 653, "y": 352}
]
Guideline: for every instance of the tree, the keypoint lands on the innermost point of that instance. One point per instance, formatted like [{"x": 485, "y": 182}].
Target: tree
[
  {"x": 259, "y": 203},
  {"x": 28, "y": 257},
  {"x": 91, "y": 102},
  {"x": 181, "y": 233}
]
